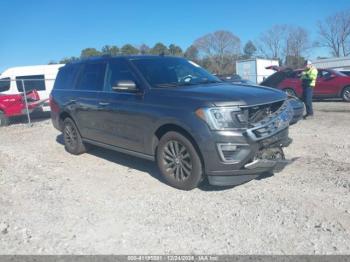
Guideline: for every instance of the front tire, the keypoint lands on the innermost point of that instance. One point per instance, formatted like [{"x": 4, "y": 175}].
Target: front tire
[
  {"x": 73, "y": 142},
  {"x": 346, "y": 94},
  {"x": 4, "y": 120},
  {"x": 179, "y": 162}
]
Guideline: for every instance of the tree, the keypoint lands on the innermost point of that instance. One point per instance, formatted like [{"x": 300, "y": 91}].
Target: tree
[
  {"x": 334, "y": 33},
  {"x": 272, "y": 42},
  {"x": 144, "y": 49},
  {"x": 222, "y": 47},
  {"x": 294, "y": 61},
  {"x": 175, "y": 50},
  {"x": 129, "y": 50},
  {"x": 110, "y": 50},
  {"x": 159, "y": 49},
  {"x": 297, "y": 43},
  {"x": 88, "y": 52},
  {"x": 192, "y": 53},
  {"x": 67, "y": 60},
  {"x": 52, "y": 62},
  {"x": 249, "y": 49}
]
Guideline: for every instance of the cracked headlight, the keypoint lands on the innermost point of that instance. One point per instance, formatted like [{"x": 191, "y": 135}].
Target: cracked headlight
[{"x": 223, "y": 118}]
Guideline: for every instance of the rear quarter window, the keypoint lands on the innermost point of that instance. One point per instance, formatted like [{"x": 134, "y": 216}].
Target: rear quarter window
[
  {"x": 66, "y": 77},
  {"x": 31, "y": 82},
  {"x": 5, "y": 84}
]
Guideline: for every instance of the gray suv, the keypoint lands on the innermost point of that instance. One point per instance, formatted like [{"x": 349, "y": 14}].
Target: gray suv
[{"x": 171, "y": 110}]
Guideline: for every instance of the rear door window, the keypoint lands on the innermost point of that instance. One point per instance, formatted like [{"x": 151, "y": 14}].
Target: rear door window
[
  {"x": 5, "y": 84},
  {"x": 92, "y": 77},
  {"x": 31, "y": 82}
]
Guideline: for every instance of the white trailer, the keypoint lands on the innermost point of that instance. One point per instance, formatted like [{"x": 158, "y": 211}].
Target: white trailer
[
  {"x": 255, "y": 69},
  {"x": 38, "y": 77}
]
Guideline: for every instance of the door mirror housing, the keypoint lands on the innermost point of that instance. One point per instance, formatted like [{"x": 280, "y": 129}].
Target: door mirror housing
[{"x": 125, "y": 86}]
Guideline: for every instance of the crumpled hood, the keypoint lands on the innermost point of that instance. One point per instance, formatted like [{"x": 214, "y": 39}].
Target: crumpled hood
[{"x": 225, "y": 94}]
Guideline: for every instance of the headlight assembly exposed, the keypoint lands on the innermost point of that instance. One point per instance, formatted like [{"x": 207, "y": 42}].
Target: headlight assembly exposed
[{"x": 223, "y": 118}]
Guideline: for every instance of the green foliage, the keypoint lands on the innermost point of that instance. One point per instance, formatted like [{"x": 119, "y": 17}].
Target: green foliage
[
  {"x": 129, "y": 50},
  {"x": 111, "y": 50},
  {"x": 175, "y": 50},
  {"x": 159, "y": 49},
  {"x": 67, "y": 60},
  {"x": 249, "y": 49},
  {"x": 192, "y": 53},
  {"x": 89, "y": 52}
]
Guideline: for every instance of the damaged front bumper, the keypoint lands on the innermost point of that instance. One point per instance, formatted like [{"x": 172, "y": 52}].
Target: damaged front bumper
[{"x": 262, "y": 151}]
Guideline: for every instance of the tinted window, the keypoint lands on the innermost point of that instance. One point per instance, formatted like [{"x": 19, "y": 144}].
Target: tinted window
[
  {"x": 275, "y": 79},
  {"x": 324, "y": 74},
  {"x": 92, "y": 77},
  {"x": 118, "y": 70},
  {"x": 5, "y": 84},
  {"x": 295, "y": 74},
  {"x": 32, "y": 82},
  {"x": 66, "y": 76},
  {"x": 170, "y": 71}
]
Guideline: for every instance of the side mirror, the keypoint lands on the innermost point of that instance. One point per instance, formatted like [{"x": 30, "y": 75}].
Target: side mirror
[{"x": 125, "y": 86}]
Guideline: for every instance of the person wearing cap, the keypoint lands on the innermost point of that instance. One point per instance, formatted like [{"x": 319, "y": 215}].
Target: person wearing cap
[{"x": 308, "y": 78}]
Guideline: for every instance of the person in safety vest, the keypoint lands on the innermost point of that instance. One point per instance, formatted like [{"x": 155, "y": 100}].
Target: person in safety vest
[{"x": 308, "y": 78}]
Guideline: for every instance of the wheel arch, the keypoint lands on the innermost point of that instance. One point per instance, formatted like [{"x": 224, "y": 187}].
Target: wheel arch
[
  {"x": 342, "y": 90},
  {"x": 165, "y": 128},
  {"x": 62, "y": 116}
]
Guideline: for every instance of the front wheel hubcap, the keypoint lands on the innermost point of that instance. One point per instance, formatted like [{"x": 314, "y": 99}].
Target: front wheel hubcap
[{"x": 177, "y": 160}]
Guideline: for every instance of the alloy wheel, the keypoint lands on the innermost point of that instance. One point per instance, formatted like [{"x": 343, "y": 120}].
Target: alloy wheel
[
  {"x": 70, "y": 135},
  {"x": 177, "y": 160},
  {"x": 346, "y": 94}
]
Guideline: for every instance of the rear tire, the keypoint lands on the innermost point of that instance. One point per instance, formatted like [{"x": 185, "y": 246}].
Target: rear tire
[
  {"x": 346, "y": 94},
  {"x": 179, "y": 162},
  {"x": 290, "y": 91},
  {"x": 73, "y": 142},
  {"x": 4, "y": 120}
]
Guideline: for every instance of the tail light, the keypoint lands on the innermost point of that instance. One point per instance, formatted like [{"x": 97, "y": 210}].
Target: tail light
[{"x": 53, "y": 105}]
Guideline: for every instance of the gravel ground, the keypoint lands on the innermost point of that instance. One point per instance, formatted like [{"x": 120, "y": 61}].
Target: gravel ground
[{"x": 104, "y": 202}]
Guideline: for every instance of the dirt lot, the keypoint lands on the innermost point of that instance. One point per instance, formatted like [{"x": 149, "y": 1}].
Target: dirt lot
[{"x": 104, "y": 202}]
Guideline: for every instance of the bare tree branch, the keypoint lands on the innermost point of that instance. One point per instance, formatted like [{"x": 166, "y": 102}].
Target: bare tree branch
[
  {"x": 220, "y": 47},
  {"x": 334, "y": 33}
]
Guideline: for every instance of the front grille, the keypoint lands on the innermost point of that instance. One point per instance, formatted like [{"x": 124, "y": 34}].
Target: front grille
[
  {"x": 272, "y": 122},
  {"x": 258, "y": 113}
]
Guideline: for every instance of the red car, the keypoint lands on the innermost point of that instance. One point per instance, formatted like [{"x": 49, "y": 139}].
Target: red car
[
  {"x": 329, "y": 83},
  {"x": 14, "y": 105}
]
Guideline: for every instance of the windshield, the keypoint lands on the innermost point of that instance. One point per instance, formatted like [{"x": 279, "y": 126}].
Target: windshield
[
  {"x": 5, "y": 84},
  {"x": 165, "y": 72}
]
